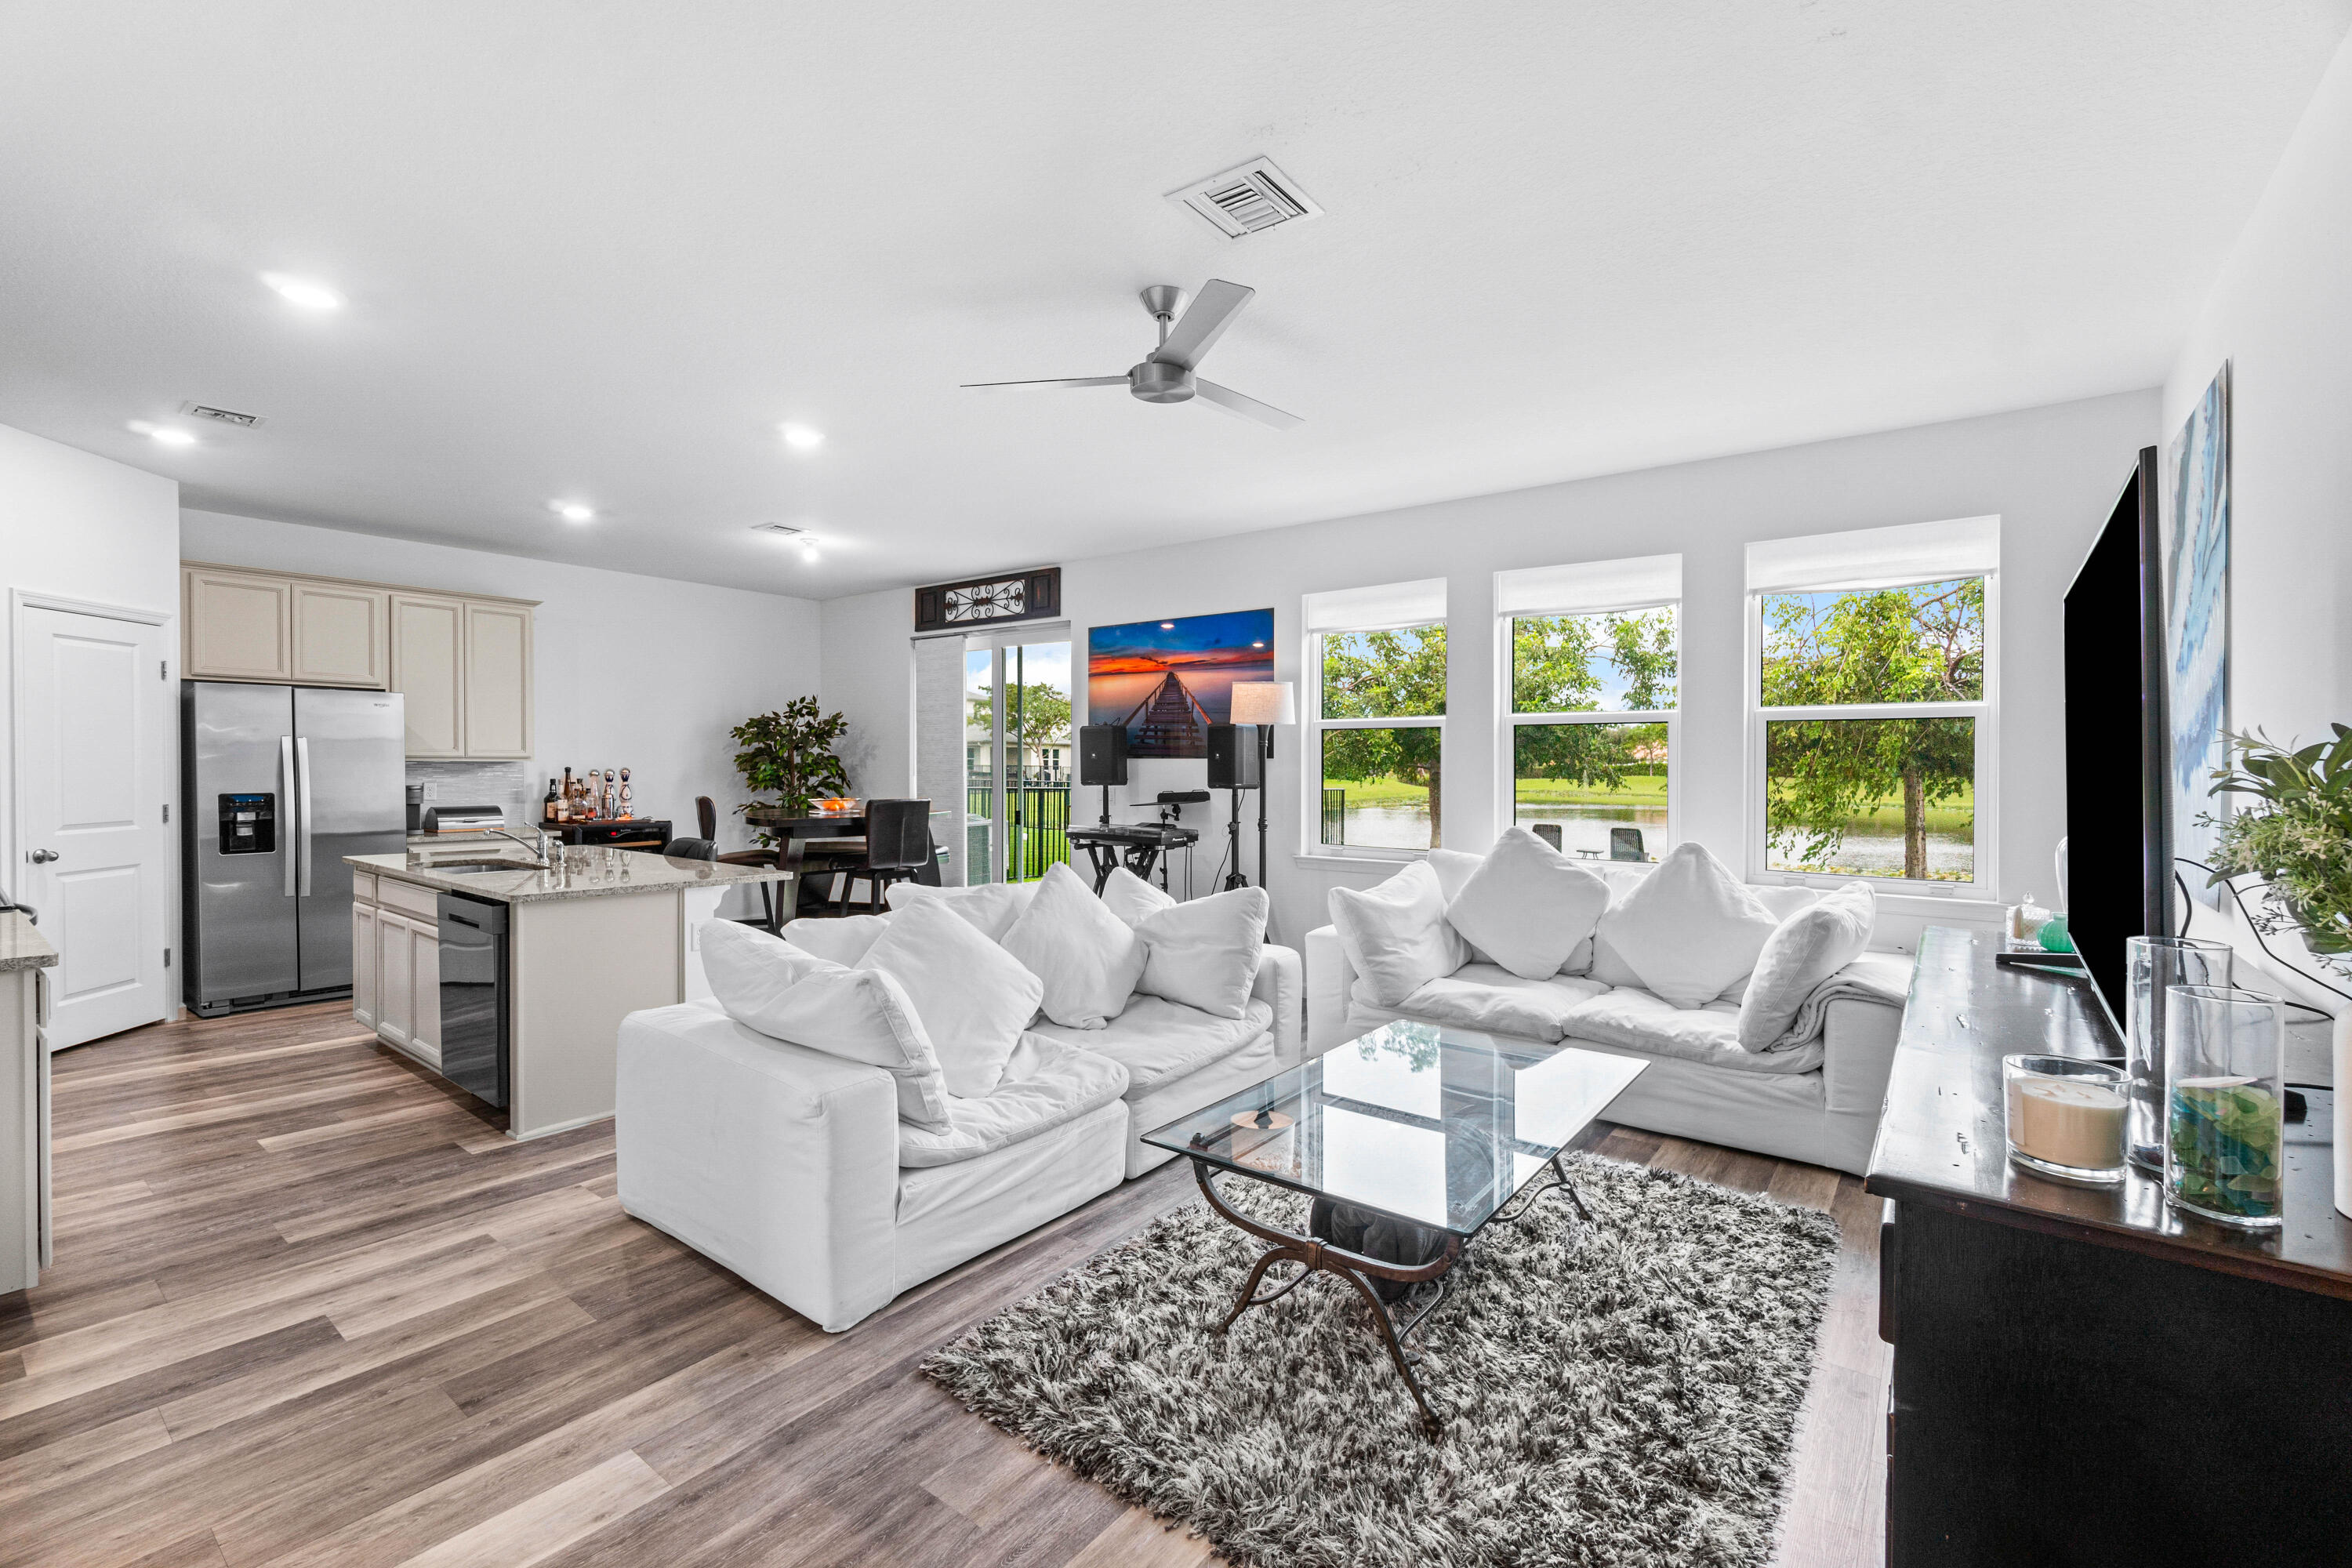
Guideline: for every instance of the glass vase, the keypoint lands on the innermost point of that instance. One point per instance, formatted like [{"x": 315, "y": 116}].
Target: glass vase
[
  {"x": 2225, "y": 1134},
  {"x": 2152, "y": 966}
]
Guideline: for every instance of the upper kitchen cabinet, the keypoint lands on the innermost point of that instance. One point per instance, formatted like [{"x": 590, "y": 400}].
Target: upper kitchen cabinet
[
  {"x": 339, "y": 634},
  {"x": 236, "y": 625},
  {"x": 461, "y": 661},
  {"x": 428, "y": 671},
  {"x": 498, "y": 680}
]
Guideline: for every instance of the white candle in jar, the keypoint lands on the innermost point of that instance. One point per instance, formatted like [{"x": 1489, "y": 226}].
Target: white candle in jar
[{"x": 2068, "y": 1121}]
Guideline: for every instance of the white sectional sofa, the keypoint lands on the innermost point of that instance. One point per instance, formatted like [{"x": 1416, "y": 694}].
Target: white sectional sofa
[
  {"x": 798, "y": 1167},
  {"x": 1815, "y": 1096}
]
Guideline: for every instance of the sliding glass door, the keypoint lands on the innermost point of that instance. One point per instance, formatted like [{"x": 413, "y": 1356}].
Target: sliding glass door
[{"x": 1017, "y": 758}]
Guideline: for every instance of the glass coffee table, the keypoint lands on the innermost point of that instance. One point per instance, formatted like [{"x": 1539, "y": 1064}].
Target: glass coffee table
[{"x": 1411, "y": 1140}]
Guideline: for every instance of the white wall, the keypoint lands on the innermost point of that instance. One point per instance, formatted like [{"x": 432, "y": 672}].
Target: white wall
[
  {"x": 641, "y": 672},
  {"x": 84, "y": 528},
  {"x": 2051, "y": 474},
  {"x": 2280, "y": 312}
]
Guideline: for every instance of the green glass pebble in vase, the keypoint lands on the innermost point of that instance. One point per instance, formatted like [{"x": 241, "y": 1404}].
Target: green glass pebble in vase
[
  {"x": 2225, "y": 1132},
  {"x": 2226, "y": 1139}
]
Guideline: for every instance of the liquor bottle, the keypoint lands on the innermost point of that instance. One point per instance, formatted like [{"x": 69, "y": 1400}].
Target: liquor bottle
[
  {"x": 611, "y": 794},
  {"x": 629, "y": 797},
  {"x": 564, "y": 815},
  {"x": 552, "y": 809}
]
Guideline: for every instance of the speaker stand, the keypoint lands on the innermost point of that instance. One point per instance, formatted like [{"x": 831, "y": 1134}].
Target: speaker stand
[
  {"x": 1106, "y": 806},
  {"x": 1265, "y": 768},
  {"x": 1234, "y": 879}
]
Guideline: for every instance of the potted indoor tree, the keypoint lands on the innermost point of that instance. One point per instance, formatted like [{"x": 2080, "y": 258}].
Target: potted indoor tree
[{"x": 788, "y": 755}]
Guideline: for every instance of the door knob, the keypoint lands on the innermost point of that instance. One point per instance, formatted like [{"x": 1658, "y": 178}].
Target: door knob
[{"x": 43, "y": 856}]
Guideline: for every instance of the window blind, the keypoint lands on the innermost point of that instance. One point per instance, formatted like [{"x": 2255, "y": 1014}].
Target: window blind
[
  {"x": 1875, "y": 557},
  {"x": 1025, "y": 634},
  {"x": 1588, "y": 587},
  {"x": 1378, "y": 607}
]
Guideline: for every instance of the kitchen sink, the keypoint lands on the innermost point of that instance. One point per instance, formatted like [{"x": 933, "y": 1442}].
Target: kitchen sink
[{"x": 476, "y": 867}]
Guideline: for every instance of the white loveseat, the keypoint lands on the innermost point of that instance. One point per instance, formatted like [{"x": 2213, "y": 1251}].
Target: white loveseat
[
  {"x": 797, "y": 1169},
  {"x": 1816, "y": 1098}
]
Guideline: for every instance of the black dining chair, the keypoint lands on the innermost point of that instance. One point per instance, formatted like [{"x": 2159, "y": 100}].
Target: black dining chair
[
  {"x": 706, "y": 818},
  {"x": 1625, "y": 844},
  {"x": 690, "y": 849},
  {"x": 897, "y": 846}
]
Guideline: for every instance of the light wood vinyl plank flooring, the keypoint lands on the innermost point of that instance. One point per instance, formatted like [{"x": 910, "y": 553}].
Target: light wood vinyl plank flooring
[{"x": 309, "y": 1308}]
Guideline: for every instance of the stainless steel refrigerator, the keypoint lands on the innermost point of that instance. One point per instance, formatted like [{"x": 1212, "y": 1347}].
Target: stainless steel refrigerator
[{"x": 277, "y": 785}]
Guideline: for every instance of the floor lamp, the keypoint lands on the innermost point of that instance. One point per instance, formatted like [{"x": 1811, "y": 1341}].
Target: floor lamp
[{"x": 1265, "y": 703}]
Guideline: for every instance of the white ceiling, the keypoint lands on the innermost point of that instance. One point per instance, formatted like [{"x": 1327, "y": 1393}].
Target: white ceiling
[{"x": 600, "y": 250}]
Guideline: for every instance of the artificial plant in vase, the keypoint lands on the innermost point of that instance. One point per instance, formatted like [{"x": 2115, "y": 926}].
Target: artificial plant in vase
[
  {"x": 2299, "y": 839},
  {"x": 788, "y": 754}
]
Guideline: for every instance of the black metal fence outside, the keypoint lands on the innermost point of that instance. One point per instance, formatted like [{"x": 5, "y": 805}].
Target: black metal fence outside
[
  {"x": 1335, "y": 817},
  {"x": 1042, "y": 815}
]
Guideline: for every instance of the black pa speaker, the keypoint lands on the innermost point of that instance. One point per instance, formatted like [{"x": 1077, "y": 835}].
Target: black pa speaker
[
  {"x": 1102, "y": 753},
  {"x": 1233, "y": 756}
]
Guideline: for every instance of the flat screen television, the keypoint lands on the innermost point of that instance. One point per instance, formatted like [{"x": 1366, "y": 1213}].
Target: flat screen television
[{"x": 2118, "y": 843}]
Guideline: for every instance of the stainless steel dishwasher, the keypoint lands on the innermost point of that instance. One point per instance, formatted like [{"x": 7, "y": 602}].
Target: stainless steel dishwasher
[{"x": 476, "y": 1024}]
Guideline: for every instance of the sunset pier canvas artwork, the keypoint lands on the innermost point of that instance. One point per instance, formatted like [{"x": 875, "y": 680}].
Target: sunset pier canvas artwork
[{"x": 1165, "y": 682}]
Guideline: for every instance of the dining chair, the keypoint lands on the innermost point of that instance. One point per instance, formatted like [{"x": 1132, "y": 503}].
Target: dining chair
[
  {"x": 706, "y": 818},
  {"x": 897, "y": 846}
]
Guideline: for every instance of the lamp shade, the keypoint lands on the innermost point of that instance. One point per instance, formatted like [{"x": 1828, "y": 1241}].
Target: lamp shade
[{"x": 1265, "y": 702}]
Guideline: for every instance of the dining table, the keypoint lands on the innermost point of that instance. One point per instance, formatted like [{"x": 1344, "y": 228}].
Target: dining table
[{"x": 798, "y": 828}]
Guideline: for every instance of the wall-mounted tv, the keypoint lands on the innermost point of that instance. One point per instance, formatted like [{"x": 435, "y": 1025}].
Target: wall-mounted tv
[{"x": 2118, "y": 836}]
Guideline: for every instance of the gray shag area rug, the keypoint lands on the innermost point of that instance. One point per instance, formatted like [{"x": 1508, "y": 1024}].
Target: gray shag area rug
[{"x": 1621, "y": 1392}]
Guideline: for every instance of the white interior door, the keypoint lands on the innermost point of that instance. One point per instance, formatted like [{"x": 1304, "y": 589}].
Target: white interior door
[{"x": 93, "y": 776}]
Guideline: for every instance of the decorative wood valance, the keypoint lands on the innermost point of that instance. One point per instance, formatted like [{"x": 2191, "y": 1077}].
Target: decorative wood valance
[{"x": 990, "y": 601}]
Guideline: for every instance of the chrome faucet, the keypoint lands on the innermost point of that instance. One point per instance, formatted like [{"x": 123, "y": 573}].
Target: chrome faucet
[{"x": 540, "y": 850}]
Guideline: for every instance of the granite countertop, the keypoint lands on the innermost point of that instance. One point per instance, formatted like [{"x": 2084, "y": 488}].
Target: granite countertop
[
  {"x": 22, "y": 945},
  {"x": 590, "y": 871}
]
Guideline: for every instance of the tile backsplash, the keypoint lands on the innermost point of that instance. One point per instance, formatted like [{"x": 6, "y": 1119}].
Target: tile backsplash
[{"x": 507, "y": 785}]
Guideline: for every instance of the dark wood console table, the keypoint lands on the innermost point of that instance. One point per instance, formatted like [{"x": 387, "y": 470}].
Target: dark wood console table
[{"x": 2082, "y": 1377}]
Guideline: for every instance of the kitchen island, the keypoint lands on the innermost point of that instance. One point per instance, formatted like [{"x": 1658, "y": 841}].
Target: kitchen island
[{"x": 594, "y": 936}]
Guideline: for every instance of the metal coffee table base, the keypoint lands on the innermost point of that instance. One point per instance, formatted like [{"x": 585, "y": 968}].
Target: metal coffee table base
[{"x": 1313, "y": 1254}]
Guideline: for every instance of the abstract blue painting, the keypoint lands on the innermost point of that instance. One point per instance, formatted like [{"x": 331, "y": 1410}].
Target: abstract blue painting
[{"x": 2197, "y": 621}]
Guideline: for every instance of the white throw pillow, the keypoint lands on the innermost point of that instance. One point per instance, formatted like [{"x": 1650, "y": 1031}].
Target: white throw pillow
[
  {"x": 990, "y": 907},
  {"x": 1395, "y": 934},
  {"x": 862, "y": 1016},
  {"x": 1454, "y": 867},
  {"x": 1205, "y": 953},
  {"x": 1087, "y": 958},
  {"x": 1805, "y": 950},
  {"x": 841, "y": 937},
  {"x": 1528, "y": 907},
  {"x": 1690, "y": 931},
  {"x": 1133, "y": 899},
  {"x": 973, "y": 998}
]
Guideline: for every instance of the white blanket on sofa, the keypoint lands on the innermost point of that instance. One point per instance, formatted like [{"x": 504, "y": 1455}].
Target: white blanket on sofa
[{"x": 1873, "y": 977}]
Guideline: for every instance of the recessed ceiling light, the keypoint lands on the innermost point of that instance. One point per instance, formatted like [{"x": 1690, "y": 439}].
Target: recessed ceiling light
[
  {"x": 302, "y": 291},
  {"x": 162, "y": 435},
  {"x": 571, "y": 511},
  {"x": 801, "y": 439}
]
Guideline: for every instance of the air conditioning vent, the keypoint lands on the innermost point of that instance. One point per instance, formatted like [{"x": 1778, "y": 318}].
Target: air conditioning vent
[
  {"x": 221, "y": 415},
  {"x": 1248, "y": 200},
  {"x": 782, "y": 529}
]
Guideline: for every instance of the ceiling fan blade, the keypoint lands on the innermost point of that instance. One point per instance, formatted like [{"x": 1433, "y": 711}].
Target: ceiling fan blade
[
  {"x": 1241, "y": 407},
  {"x": 1064, "y": 381},
  {"x": 1203, "y": 322}
]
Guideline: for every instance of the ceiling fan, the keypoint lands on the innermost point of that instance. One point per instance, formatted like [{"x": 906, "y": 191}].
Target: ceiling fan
[{"x": 1167, "y": 374}]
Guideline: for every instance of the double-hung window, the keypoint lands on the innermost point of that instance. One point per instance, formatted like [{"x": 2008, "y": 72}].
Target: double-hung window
[
  {"x": 1590, "y": 657},
  {"x": 1871, "y": 735},
  {"x": 1376, "y": 718}
]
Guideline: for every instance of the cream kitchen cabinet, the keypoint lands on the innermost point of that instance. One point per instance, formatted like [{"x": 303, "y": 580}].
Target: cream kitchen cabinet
[
  {"x": 462, "y": 662},
  {"x": 340, "y": 637},
  {"x": 236, "y": 625},
  {"x": 428, "y": 671},
  {"x": 498, "y": 680},
  {"x": 396, "y": 966}
]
